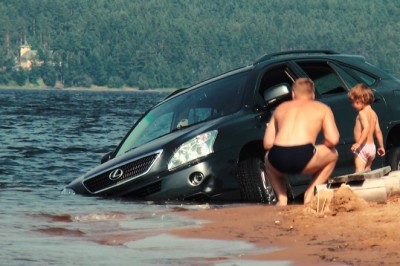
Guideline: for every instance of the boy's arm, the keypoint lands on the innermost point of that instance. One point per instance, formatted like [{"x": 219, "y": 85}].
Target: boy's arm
[{"x": 379, "y": 138}]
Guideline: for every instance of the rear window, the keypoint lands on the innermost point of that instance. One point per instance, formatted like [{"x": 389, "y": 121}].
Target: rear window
[{"x": 363, "y": 77}]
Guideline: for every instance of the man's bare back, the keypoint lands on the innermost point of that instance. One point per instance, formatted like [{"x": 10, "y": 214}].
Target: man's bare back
[{"x": 300, "y": 121}]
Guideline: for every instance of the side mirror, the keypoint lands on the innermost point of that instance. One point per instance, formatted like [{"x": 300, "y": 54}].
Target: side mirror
[
  {"x": 276, "y": 94},
  {"x": 106, "y": 157}
]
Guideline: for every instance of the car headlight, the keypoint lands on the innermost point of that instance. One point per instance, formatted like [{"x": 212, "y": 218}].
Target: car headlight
[{"x": 193, "y": 149}]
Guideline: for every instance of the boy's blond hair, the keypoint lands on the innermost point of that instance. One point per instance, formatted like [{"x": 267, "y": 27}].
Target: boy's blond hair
[{"x": 361, "y": 92}]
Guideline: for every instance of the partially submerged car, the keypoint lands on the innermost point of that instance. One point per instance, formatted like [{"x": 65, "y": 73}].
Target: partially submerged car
[{"x": 204, "y": 143}]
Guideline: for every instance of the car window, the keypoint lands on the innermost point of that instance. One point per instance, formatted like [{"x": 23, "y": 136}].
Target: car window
[
  {"x": 200, "y": 114},
  {"x": 275, "y": 76},
  {"x": 152, "y": 125},
  {"x": 363, "y": 77},
  {"x": 212, "y": 100},
  {"x": 209, "y": 101},
  {"x": 350, "y": 80},
  {"x": 160, "y": 126},
  {"x": 326, "y": 80}
]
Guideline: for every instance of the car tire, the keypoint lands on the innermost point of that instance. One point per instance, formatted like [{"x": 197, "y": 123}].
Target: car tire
[
  {"x": 394, "y": 158},
  {"x": 254, "y": 183}
]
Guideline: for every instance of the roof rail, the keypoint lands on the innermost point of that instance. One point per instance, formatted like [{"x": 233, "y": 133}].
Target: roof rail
[{"x": 269, "y": 56}]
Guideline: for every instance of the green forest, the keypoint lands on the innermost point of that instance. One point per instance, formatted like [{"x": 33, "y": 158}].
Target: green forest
[{"x": 175, "y": 43}]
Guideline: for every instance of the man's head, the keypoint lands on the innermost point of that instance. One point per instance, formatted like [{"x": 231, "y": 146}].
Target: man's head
[{"x": 303, "y": 88}]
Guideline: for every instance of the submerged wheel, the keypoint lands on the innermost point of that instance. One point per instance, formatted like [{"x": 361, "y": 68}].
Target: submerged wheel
[
  {"x": 254, "y": 183},
  {"x": 394, "y": 158}
]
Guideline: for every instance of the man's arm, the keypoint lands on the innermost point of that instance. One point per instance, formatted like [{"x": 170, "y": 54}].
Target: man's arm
[
  {"x": 330, "y": 131},
  {"x": 269, "y": 136}
]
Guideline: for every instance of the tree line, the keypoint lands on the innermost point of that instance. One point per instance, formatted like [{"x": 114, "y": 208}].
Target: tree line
[{"x": 175, "y": 43}]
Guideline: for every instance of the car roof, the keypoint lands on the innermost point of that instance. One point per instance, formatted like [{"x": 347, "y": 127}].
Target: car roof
[
  {"x": 293, "y": 53},
  {"x": 310, "y": 54},
  {"x": 351, "y": 59}
]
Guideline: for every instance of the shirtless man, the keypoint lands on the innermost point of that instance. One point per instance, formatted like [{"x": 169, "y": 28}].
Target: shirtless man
[{"x": 290, "y": 141}]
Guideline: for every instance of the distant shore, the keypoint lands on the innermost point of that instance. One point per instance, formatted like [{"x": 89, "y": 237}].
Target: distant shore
[{"x": 93, "y": 88}]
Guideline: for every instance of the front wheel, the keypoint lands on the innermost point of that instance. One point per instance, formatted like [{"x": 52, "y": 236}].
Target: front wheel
[
  {"x": 394, "y": 158},
  {"x": 254, "y": 182}
]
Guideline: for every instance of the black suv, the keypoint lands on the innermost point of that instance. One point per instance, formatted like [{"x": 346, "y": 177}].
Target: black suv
[{"x": 204, "y": 143}]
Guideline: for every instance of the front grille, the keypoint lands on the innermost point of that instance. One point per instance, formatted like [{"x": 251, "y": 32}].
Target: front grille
[
  {"x": 198, "y": 198},
  {"x": 146, "y": 191},
  {"x": 130, "y": 170}
]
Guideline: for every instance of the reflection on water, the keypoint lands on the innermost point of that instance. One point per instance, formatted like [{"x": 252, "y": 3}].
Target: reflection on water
[{"x": 50, "y": 137}]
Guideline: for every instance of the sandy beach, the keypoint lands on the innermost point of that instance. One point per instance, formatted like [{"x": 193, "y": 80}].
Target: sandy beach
[{"x": 349, "y": 231}]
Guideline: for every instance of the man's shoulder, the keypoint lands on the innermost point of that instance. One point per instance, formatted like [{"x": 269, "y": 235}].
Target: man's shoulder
[
  {"x": 321, "y": 109},
  {"x": 321, "y": 105},
  {"x": 283, "y": 105}
]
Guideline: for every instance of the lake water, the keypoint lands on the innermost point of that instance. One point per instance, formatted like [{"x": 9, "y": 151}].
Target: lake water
[{"x": 50, "y": 137}]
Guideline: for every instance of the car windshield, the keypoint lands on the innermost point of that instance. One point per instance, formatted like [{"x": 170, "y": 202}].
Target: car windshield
[{"x": 209, "y": 101}]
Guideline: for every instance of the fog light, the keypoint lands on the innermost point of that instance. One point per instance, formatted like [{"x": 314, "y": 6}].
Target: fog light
[{"x": 196, "y": 178}]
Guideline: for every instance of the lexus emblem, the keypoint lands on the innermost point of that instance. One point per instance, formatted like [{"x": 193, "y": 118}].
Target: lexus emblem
[{"x": 115, "y": 174}]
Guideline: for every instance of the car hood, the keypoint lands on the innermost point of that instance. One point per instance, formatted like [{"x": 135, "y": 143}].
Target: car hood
[{"x": 167, "y": 142}]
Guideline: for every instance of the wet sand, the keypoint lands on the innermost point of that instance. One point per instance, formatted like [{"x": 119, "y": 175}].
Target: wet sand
[{"x": 349, "y": 231}]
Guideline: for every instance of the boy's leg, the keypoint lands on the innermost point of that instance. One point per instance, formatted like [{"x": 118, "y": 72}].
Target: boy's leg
[
  {"x": 359, "y": 164},
  {"x": 368, "y": 164}
]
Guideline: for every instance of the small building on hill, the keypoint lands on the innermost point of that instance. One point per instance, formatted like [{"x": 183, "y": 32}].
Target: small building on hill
[{"x": 26, "y": 56}]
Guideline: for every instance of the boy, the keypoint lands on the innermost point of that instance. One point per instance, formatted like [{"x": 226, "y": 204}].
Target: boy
[{"x": 366, "y": 125}]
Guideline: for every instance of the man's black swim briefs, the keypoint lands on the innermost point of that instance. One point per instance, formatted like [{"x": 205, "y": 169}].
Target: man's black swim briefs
[{"x": 291, "y": 159}]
